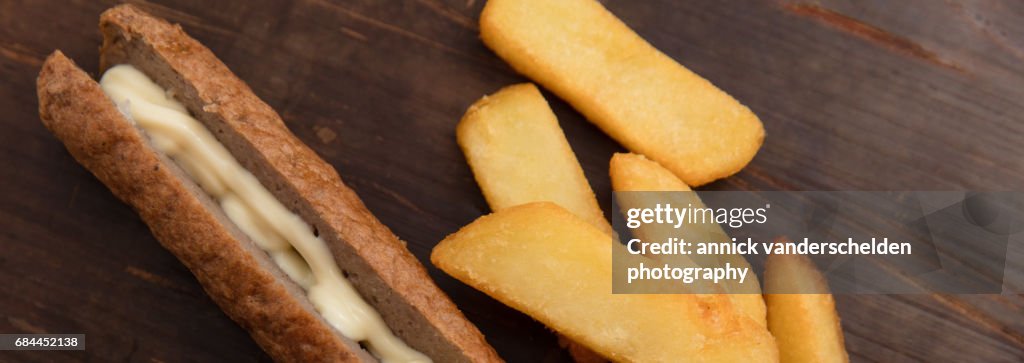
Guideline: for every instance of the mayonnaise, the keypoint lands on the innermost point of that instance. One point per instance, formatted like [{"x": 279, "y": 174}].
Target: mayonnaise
[{"x": 288, "y": 239}]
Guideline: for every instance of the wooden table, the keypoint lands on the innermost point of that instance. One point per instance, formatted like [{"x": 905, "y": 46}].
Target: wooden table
[{"x": 855, "y": 95}]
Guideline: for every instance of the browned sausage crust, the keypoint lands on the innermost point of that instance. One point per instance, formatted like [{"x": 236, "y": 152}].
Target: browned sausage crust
[
  {"x": 375, "y": 261},
  {"x": 236, "y": 274}
]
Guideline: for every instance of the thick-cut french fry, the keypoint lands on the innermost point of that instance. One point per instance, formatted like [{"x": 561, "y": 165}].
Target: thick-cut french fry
[
  {"x": 632, "y": 172},
  {"x": 519, "y": 154},
  {"x": 544, "y": 261},
  {"x": 805, "y": 326},
  {"x": 638, "y": 95}
]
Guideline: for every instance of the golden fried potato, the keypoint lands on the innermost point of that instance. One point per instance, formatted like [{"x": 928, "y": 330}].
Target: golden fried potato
[
  {"x": 519, "y": 154},
  {"x": 806, "y": 326},
  {"x": 632, "y": 172},
  {"x": 544, "y": 261},
  {"x": 636, "y": 94}
]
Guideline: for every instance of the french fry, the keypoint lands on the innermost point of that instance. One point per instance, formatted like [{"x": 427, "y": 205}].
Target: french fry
[
  {"x": 632, "y": 172},
  {"x": 544, "y": 261},
  {"x": 635, "y": 173},
  {"x": 645, "y": 100},
  {"x": 806, "y": 326},
  {"x": 519, "y": 154}
]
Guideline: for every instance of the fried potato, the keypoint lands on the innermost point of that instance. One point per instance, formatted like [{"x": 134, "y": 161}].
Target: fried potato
[
  {"x": 648, "y": 102},
  {"x": 632, "y": 172},
  {"x": 806, "y": 326},
  {"x": 544, "y": 261},
  {"x": 519, "y": 154}
]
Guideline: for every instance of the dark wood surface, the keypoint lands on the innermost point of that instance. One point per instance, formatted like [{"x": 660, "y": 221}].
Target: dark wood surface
[{"x": 855, "y": 95}]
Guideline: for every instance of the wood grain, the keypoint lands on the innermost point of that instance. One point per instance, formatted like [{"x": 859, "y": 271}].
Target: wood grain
[{"x": 855, "y": 95}]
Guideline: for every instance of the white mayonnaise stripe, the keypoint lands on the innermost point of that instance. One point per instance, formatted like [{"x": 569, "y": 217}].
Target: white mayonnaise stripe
[{"x": 282, "y": 234}]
